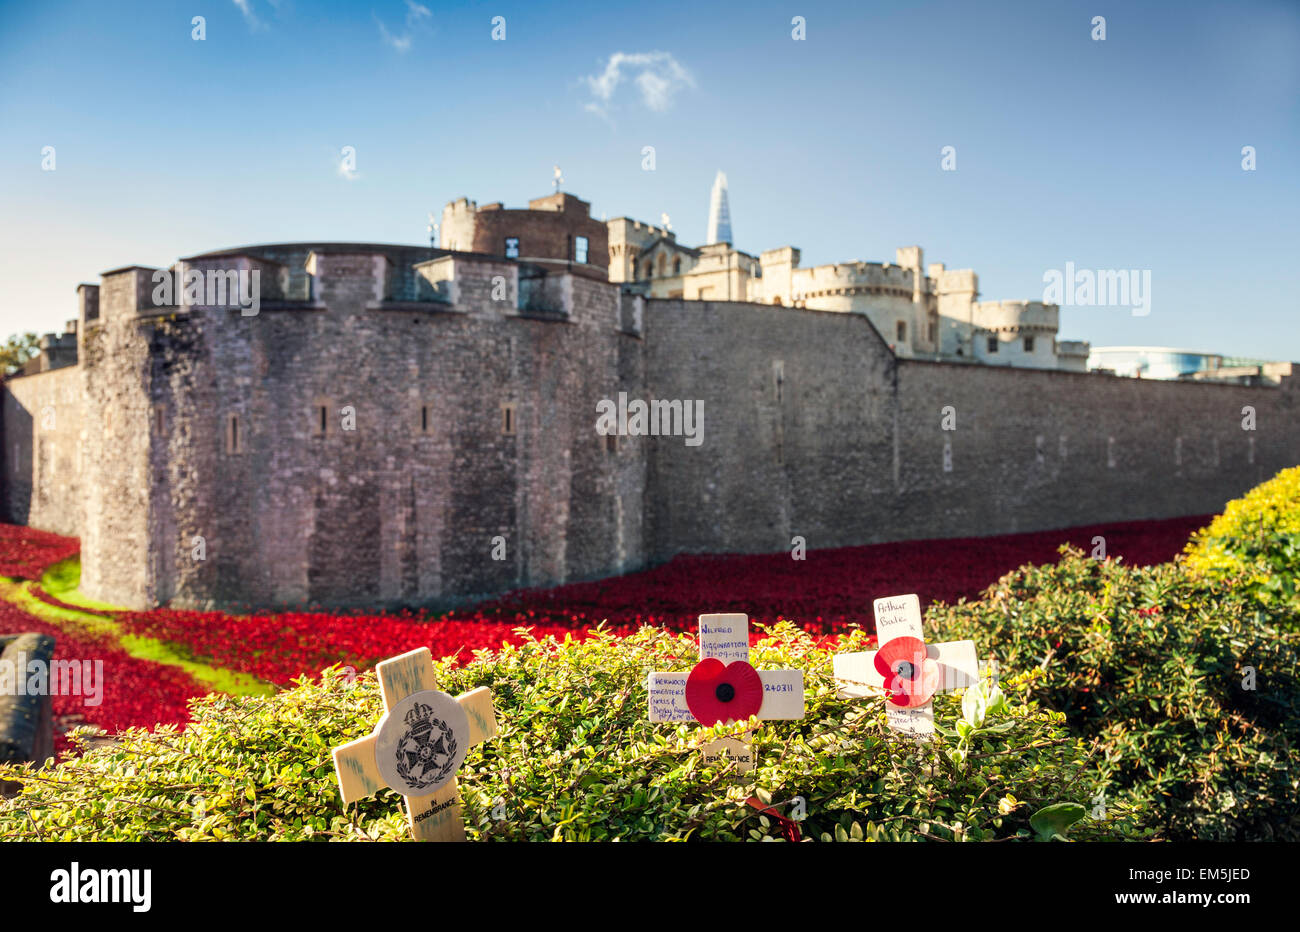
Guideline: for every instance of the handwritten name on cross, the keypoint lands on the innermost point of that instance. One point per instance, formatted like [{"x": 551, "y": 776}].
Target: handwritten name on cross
[
  {"x": 723, "y": 687},
  {"x": 417, "y": 746},
  {"x": 914, "y": 669}
]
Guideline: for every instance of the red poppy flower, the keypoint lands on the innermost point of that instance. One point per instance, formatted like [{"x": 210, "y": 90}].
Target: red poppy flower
[
  {"x": 910, "y": 677},
  {"x": 723, "y": 693}
]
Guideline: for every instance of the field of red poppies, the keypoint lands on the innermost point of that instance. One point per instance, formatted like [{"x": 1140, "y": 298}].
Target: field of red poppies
[
  {"x": 26, "y": 552},
  {"x": 279, "y": 648},
  {"x": 125, "y": 691},
  {"x": 829, "y": 590},
  {"x": 824, "y": 593}
]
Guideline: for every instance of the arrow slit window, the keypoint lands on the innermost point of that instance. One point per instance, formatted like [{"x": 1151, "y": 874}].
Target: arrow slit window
[
  {"x": 234, "y": 435},
  {"x": 320, "y": 417}
]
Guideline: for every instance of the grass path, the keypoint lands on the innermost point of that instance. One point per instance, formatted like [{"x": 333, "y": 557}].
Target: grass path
[{"x": 97, "y": 619}]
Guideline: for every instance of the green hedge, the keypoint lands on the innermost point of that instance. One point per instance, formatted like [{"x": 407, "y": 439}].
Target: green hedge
[
  {"x": 1187, "y": 685},
  {"x": 577, "y": 760},
  {"x": 1255, "y": 543},
  {"x": 1143, "y": 703}
]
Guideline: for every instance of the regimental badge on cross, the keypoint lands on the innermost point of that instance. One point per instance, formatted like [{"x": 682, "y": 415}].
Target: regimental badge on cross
[
  {"x": 723, "y": 687},
  {"x": 908, "y": 670},
  {"x": 418, "y": 746}
]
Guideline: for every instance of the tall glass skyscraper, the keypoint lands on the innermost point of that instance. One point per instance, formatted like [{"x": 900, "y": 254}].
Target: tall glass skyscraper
[{"x": 719, "y": 212}]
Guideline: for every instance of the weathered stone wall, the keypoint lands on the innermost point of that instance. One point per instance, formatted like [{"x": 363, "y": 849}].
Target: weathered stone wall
[
  {"x": 42, "y": 449},
  {"x": 1038, "y": 449},
  {"x": 118, "y": 550},
  {"x": 384, "y": 513},
  {"x": 855, "y": 452},
  {"x": 198, "y": 431},
  {"x": 797, "y": 428}
]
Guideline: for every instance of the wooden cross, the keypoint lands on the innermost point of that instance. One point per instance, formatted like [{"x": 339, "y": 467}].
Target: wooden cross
[
  {"x": 418, "y": 746},
  {"x": 917, "y": 673},
  {"x": 722, "y": 688}
]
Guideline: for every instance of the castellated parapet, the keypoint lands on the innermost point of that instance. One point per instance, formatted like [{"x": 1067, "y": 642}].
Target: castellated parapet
[
  {"x": 392, "y": 418},
  {"x": 557, "y": 228},
  {"x": 628, "y": 240},
  {"x": 360, "y": 441},
  {"x": 1017, "y": 333},
  {"x": 1018, "y": 316}
]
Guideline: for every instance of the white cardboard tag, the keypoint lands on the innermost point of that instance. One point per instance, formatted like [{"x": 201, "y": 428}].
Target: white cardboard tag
[
  {"x": 857, "y": 675},
  {"x": 917, "y": 721},
  {"x": 782, "y": 695},
  {"x": 898, "y": 616},
  {"x": 668, "y": 697},
  {"x": 739, "y": 750},
  {"x": 725, "y": 637}
]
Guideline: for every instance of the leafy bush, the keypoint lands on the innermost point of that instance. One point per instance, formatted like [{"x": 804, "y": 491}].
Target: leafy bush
[
  {"x": 576, "y": 759},
  {"x": 1187, "y": 686},
  {"x": 1256, "y": 541}
]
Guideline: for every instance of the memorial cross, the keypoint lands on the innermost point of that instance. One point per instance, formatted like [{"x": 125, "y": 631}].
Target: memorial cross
[
  {"x": 723, "y": 687},
  {"x": 417, "y": 746},
  {"x": 907, "y": 669}
]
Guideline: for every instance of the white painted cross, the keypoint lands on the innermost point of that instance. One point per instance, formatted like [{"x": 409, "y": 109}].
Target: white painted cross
[
  {"x": 916, "y": 670},
  {"x": 418, "y": 746},
  {"x": 723, "y": 687}
]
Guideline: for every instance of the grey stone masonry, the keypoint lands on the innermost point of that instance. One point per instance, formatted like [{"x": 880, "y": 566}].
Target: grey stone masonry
[
  {"x": 408, "y": 425},
  {"x": 26, "y": 717}
]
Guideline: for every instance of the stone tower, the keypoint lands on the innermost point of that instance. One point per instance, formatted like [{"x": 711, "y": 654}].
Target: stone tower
[{"x": 719, "y": 213}]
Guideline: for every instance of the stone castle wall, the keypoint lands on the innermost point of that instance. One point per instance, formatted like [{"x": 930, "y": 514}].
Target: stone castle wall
[
  {"x": 116, "y": 356},
  {"x": 1040, "y": 449},
  {"x": 181, "y": 424},
  {"x": 41, "y": 445},
  {"x": 851, "y": 448},
  {"x": 796, "y": 427},
  {"x": 386, "y": 513}
]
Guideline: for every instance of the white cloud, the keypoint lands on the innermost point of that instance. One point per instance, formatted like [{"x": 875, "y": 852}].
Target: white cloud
[
  {"x": 657, "y": 77},
  {"x": 417, "y": 16},
  {"x": 402, "y": 43},
  {"x": 246, "y": 9}
]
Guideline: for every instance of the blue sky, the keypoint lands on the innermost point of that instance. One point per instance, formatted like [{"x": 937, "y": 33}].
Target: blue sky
[{"x": 1119, "y": 154}]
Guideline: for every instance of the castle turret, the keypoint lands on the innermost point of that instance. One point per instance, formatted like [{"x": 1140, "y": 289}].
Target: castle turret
[
  {"x": 778, "y": 270},
  {"x": 1016, "y": 333},
  {"x": 557, "y": 228},
  {"x": 924, "y": 329}
]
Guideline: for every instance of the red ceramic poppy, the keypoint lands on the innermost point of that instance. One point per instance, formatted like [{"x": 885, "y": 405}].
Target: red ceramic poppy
[
  {"x": 910, "y": 677},
  {"x": 723, "y": 693}
]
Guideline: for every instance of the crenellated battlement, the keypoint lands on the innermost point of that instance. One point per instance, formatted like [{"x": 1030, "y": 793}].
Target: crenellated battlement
[
  {"x": 854, "y": 277},
  {"x": 953, "y": 281},
  {"x": 1017, "y": 316},
  {"x": 338, "y": 277}
]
